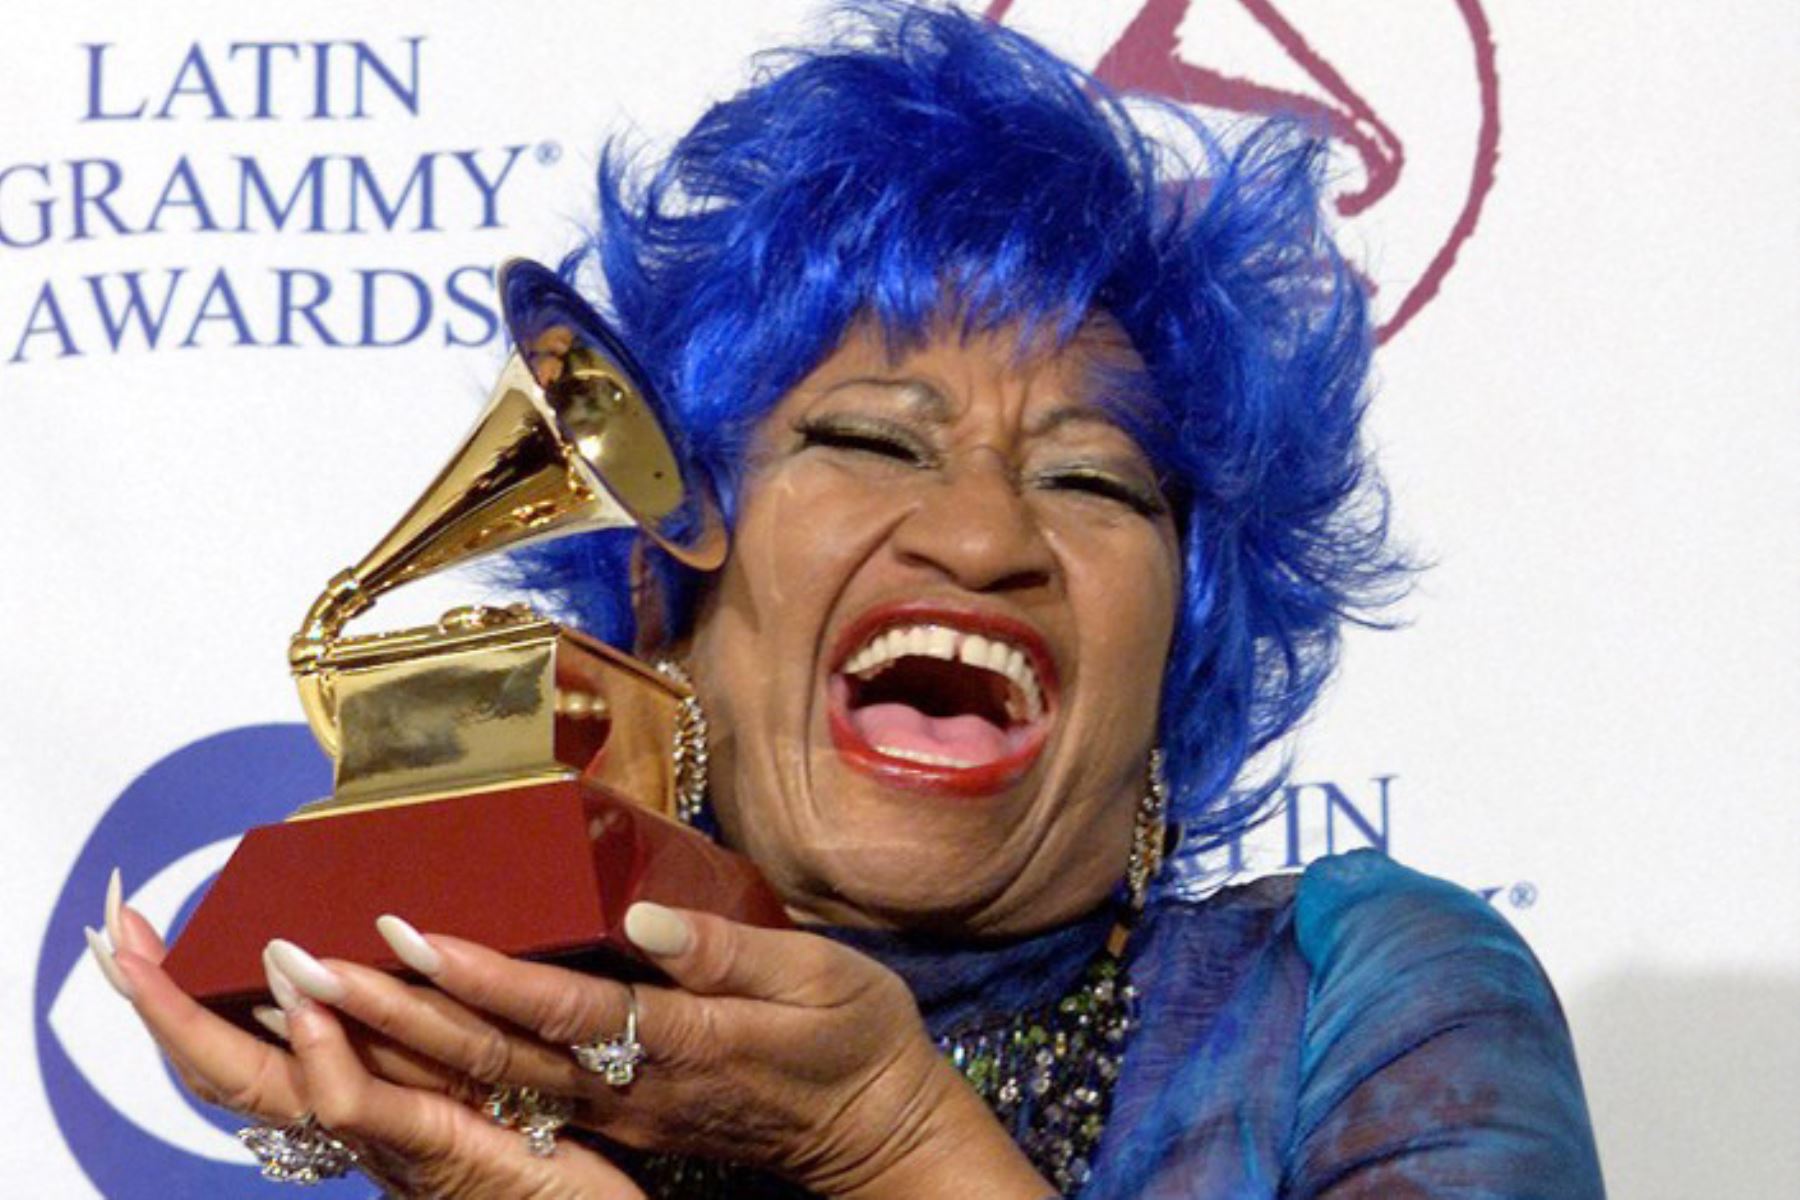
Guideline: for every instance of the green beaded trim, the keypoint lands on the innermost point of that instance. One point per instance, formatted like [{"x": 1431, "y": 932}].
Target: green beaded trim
[{"x": 1048, "y": 1074}]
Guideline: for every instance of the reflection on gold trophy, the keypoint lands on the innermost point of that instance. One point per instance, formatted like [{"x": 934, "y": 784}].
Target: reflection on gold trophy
[{"x": 497, "y": 776}]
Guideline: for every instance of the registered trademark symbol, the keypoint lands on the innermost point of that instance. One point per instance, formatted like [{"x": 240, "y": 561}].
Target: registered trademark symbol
[
  {"x": 548, "y": 152},
  {"x": 1522, "y": 894}
]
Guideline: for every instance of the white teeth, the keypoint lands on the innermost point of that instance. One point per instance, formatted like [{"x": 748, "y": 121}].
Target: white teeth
[
  {"x": 998, "y": 655},
  {"x": 919, "y": 756},
  {"x": 973, "y": 650},
  {"x": 950, "y": 645}
]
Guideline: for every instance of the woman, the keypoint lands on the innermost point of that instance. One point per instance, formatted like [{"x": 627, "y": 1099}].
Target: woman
[{"x": 1040, "y": 451}]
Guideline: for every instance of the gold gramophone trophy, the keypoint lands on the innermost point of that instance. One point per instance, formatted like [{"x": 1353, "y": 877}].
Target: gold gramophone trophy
[{"x": 497, "y": 776}]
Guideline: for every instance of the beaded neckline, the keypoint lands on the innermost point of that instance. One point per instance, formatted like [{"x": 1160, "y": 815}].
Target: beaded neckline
[{"x": 1048, "y": 1072}]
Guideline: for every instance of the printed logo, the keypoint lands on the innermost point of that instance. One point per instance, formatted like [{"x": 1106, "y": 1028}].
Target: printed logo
[
  {"x": 136, "y": 1133},
  {"x": 1309, "y": 820},
  {"x": 1414, "y": 122},
  {"x": 213, "y": 244}
]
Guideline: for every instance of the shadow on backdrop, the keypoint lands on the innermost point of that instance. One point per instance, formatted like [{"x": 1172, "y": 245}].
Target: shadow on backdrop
[{"x": 1693, "y": 1081}]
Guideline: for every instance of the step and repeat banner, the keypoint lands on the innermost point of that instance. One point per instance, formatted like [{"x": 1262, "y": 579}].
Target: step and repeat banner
[{"x": 247, "y": 262}]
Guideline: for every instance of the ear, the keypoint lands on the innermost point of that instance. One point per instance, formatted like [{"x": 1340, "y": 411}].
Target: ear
[{"x": 649, "y": 607}]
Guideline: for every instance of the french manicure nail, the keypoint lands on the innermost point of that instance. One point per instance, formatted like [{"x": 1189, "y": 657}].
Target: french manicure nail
[
  {"x": 115, "y": 900},
  {"x": 280, "y": 986},
  {"x": 409, "y": 945},
  {"x": 657, "y": 930},
  {"x": 307, "y": 973},
  {"x": 109, "y": 966},
  {"x": 271, "y": 1019}
]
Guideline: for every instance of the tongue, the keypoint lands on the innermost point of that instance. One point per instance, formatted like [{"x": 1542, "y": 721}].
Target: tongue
[{"x": 966, "y": 739}]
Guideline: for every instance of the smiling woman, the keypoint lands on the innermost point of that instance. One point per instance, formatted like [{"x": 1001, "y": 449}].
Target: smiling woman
[
  {"x": 939, "y": 699},
  {"x": 1040, "y": 450}
]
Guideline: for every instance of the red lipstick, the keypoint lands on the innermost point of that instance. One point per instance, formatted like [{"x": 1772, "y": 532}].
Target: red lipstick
[{"x": 976, "y": 780}]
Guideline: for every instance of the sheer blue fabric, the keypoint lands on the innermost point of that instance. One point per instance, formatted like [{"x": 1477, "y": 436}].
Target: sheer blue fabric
[{"x": 1359, "y": 1031}]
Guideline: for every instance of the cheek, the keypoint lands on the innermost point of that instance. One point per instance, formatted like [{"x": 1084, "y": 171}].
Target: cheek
[
  {"x": 800, "y": 539},
  {"x": 1124, "y": 591},
  {"x": 1124, "y": 586}
]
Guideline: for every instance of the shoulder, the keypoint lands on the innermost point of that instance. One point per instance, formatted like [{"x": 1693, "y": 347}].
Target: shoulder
[
  {"x": 1397, "y": 957},
  {"x": 1429, "y": 1021},
  {"x": 1360, "y": 1030},
  {"x": 1363, "y": 910}
]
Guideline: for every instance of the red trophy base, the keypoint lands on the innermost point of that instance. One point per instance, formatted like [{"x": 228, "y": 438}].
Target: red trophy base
[{"x": 544, "y": 872}]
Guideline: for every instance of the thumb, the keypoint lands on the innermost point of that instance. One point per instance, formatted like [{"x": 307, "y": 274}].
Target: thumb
[{"x": 710, "y": 955}]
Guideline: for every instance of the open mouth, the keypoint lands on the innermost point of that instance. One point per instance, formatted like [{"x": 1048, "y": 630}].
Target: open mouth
[{"x": 941, "y": 700}]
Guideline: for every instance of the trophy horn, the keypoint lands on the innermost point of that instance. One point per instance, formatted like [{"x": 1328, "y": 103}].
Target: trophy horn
[{"x": 574, "y": 439}]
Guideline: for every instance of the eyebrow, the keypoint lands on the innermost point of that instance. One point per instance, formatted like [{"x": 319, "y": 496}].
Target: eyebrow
[
  {"x": 1056, "y": 418},
  {"x": 934, "y": 406},
  {"x": 931, "y": 403}
]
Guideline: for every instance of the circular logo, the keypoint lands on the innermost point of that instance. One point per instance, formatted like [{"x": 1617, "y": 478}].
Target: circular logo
[
  {"x": 1414, "y": 121},
  {"x": 130, "y": 1125}
]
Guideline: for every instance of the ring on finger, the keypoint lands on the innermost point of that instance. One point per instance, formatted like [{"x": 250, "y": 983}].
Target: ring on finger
[
  {"x": 614, "y": 1059},
  {"x": 302, "y": 1151},
  {"x": 536, "y": 1115}
]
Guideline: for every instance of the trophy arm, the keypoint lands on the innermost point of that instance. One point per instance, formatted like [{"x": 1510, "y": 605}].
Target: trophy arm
[{"x": 343, "y": 599}]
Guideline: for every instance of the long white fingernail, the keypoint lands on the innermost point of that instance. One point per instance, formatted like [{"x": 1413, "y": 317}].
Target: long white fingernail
[
  {"x": 409, "y": 945},
  {"x": 306, "y": 972},
  {"x": 657, "y": 930},
  {"x": 115, "y": 900},
  {"x": 109, "y": 966},
  {"x": 271, "y": 1019},
  {"x": 280, "y": 986}
]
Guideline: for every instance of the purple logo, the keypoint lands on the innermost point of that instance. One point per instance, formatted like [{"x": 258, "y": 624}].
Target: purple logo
[{"x": 1415, "y": 155}]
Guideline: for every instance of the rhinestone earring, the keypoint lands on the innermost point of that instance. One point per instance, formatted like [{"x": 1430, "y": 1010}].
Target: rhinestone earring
[
  {"x": 689, "y": 751},
  {"x": 1148, "y": 834}
]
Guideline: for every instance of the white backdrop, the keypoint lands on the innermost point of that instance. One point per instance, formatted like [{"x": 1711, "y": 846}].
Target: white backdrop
[{"x": 1587, "y": 417}]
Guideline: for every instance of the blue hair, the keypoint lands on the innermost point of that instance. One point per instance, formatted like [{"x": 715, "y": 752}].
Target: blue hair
[{"x": 923, "y": 159}]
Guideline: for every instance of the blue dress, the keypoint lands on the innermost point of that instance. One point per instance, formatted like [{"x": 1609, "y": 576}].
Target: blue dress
[
  {"x": 1357, "y": 1031},
  {"x": 1360, "y": 1031}
]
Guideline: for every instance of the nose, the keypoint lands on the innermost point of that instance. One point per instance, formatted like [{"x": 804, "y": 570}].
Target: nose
[{"x": 972, "y": 525}]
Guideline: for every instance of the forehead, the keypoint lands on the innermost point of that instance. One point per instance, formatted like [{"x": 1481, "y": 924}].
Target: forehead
[{"x": 952, "y": 374}]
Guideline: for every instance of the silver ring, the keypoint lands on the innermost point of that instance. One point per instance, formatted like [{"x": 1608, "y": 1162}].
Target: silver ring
[
  {"x": 532, "y": 1113},
  {"x": 302, "y": 1151},
  {"x": 614, "y": 1059}
]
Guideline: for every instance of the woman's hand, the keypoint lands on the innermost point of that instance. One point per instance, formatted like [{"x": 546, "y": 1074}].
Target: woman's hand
[
  {"x": 775, "y": 1048},
  {"x": 398, "y": 1112}
]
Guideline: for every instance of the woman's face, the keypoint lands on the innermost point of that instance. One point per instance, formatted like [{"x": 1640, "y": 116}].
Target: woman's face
[{"x": 932, "y": 660}]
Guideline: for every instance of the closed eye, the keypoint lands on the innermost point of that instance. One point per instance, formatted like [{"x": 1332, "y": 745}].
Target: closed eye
[
  {"x": 863, "y": 436},
  {"x": 1141, "y": 498}
]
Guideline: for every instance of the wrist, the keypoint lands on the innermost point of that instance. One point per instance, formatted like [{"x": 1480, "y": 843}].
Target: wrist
[{"x": 953, "y": 1147}]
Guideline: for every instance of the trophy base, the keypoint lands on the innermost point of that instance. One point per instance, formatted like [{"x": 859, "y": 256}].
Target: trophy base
[{"x": 542, "y": 871}]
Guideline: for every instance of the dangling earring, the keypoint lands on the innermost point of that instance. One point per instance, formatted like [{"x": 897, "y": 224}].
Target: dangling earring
[
  {"x": 688, "y": 754},
  {"x": 1148, "y": 834}
]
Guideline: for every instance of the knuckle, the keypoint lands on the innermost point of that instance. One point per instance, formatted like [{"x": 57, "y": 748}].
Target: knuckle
[
  {"x": 490, "y": 1056},
  {"x": 258, "y": 1093},
  {"x": 564, "y": 1015},
  {"x": 337, "y": 1110},
  {"x": 381, "y": 1012},
  {"x": 467, "y": 1091},
  {"x": 714, "y": 952},
  {"x": 689, "y": 1039},
  {"x": 247, "y": 1098}
]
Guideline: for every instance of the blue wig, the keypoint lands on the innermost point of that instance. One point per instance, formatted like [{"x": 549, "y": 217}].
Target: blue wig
[{"x": 923, "y": 160}]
